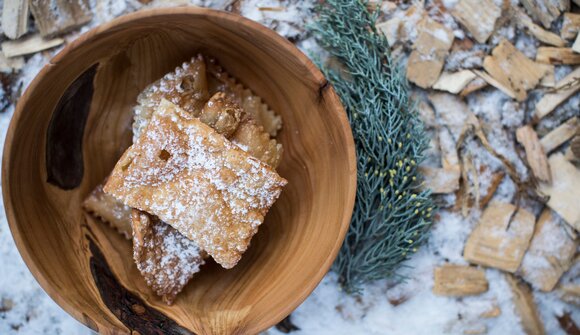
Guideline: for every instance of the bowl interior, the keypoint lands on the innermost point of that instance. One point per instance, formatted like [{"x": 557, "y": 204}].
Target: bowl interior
[{"x": 73, "y": 123}]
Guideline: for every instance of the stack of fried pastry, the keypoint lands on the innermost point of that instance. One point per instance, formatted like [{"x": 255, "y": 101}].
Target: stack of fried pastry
[{"x": 199, "y": 177}]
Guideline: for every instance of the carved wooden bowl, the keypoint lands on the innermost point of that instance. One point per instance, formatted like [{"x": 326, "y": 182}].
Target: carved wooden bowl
[{"x": 73, "y": 123}]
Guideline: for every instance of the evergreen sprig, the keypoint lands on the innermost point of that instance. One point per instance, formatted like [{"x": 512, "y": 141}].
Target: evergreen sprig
[{"x": 393, "y": 213}]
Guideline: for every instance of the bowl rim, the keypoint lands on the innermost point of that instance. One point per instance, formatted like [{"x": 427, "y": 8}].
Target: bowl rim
[{"x": 86, "y": 37}]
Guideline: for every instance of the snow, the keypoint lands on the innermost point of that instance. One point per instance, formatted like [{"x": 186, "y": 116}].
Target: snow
[{"x": 387, "y": 306}]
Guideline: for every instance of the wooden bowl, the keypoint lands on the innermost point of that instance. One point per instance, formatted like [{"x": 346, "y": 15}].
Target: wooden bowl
[{"x": 73, "y": 123}]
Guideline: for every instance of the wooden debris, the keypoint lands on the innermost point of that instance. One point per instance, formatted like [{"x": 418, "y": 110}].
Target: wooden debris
[
  {"x": 29, "y": 45},
  {"x": 60, "y": 16},
  {"x": 546, "y": 11},
  {"x": 449, "y": 157},
  {"x": 525, "y": 22},
  {"x": 494, "y": 312},
  {"x": 496, "y": 179},
  {"x": 15, "y": 18},
  {"x": 475, "y": 85},
  {"x": 565, "y": 88},
  {"x": 576, "y": 45},
  {"x": 442, "y": 180},
  {"x": 561, "y": 134},
  {"x": 535, "y": 155},
  {"x": 575, "y": 144},
  {"x": 570, "y": 294},
  {"x": 551, "y": 55},
  {"x": 430, "y": 50},
  {"x": 564, "y": 191},
  {"x": 549, "y": 79},
  {"x": 478, "y": 17},
  {"x": 550, "y": 254},
  {"x": 454, "y": 82},
  {"x": 391, "y": 29},
  {"x": 459, "y": 280},
  {"x": 10, "y": 64},
  {"x": 515, "y": 73},
  {"x": 570, "y": 25},
  {"x": 452, "y": 111},
  {"x": 525, "y": 306},
  {"x": 501, "y": 238},
  {"x": 496, "y": 83}
]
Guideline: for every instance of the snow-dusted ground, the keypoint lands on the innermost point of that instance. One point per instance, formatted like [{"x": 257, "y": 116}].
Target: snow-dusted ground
[{"x": 385, "y": 307}]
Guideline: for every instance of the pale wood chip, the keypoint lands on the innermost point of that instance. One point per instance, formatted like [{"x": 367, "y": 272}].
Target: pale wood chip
[
  {"x": 559, "y": 135},
  {"x": 570, "y": 293},
  {"x": 576, "y": 45},
  {"x": 442, "y": 180},
  {"x": 391, "y": 29},
  {"x": 475, "y": 85},
  {"x": 496, "y": 180},
  {"x": 459, "y": 280},
  {"x": 570, "y": 25},
  {"x": 10, "y": 64},
  {"x": 479, "y": 17},
  {"x": 29, "y": 45},
  {"x": 496, "y": 83},
  {"x": 60, "y": 16},
  {"x": 15, "y": 18},
  {"x": 565, "y": 88},
  {"x": 454, "y": 82},
  {"x": 546, "y": 11},
  {"x": 494, "y": 312},
  {"x": 551, "y": 55},
  {"x": 525, "y": 306},
  {"x": 500, "y": 238},
  {"x": 524, "y": 21},
  {"x": 535, "y": 155},
  {"x": 550, "y": 254},
  {"x": 564, "y": 191}
]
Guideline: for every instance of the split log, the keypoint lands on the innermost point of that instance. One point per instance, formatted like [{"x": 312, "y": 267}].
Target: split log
[
  {"x": 454, "y": 82},
  {"x": 559, "y": 135},
  {"x": 546, "y": 11},
  {"x": 570, "y": 26},
  {"x": 501, "y": 237},
  {"x": 479, "y": 17},
  {"x": 550, "y": 254},
  {"x": 564, "y": 191},
  {"x": 430, "y": 50},
  {"x": 550, "y": 55},
  {"x": 525, "y": 22},
  {"x": 565, "y": 88},
  {"x": 525, "y": 306},
  {"x": 535, "y": 155},
  {"x": 442, "y": 180},
  {"x": 459, "y": 280},
  {"x": 29, "y": 45},
  {"x": 15, "y": 18},
  {"x": 60, "y": 16}
]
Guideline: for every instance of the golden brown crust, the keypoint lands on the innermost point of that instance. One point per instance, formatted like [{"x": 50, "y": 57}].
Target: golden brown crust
[{"x": 106, "y": 208}]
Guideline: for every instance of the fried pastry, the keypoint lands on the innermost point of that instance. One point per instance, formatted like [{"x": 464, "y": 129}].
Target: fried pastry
[
  {"x": 194, "y": 179},
  {"x": 108, "y": 209},
  {"x": 166, "y": 259}
]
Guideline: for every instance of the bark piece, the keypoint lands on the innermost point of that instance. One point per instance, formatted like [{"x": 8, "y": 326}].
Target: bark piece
[
  {"x": 570, "y": 25},
  {"x": 459, "y": 280},
  {"x": 29, "y": 45},
  {"x": 564, "y": 191},
  {"x": 59, "y": 16},
  {"x": 546, "y": 11},
  {"x": 561, "y": 134},
  {"x": 430, "y": 50},
  {"x": 525, "y": 306},
  {"x": 565, "y": 88},
  {"x": 535, "y": 155},
  {"x": 454, "y": 82},
  {"x": 442, "y": 180},
  {"x": 550, "y": 254},
  {"x": 525, "y": 22},
  {"x": 478, "y": 17},
  {"x": 498, "y": 242},
  {"x": 513, "y": 70},
  {"x": 10, "y": 64},
  {"x": 551, "y": 55},
  {"x": 15, "y": 18}
]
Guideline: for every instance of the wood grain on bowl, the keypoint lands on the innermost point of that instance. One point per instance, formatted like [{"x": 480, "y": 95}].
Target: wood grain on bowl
[{"x": 85, "y": 266}]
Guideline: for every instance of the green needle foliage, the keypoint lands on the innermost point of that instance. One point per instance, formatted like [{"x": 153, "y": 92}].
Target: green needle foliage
[{"x": 392, "y": 213}]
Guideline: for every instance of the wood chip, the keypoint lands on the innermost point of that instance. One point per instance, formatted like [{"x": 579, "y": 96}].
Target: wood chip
[
  {"x": 442, "y": 180},
  {"x": 496, "y": 83},
  {"x": 10, "y": 64},
  {"x": 576, "y": 45},
  {"x": 15, "y": 18},
  {"x": 498, "y": 242},
  {"x": 475, "y": 85},
  {"x": 430, "y": 50},
  {"x": 452, "y": 111},
  {"x": 546, "y": 11},
  {"x": 551, "y": 55},
  {"x": 494, "y": 312},
  {"x": 515, "y": 72},
  {"x": 565, "y": 88},
  {"x": 496, "y": 180},
  {"x": 479, "y": 17},
  {"x": 59, "y": 16},
  {"x": 561, "y": 134},
  {"x": 525, "y": 306},
  {"x": 570, "y": 294},
  {"x": 449, "y": 157},
  {"x": 564, "y": 191},
  {"x": 550, "y": 254},
  {"x": 535, "y": 155},
  {"x": 391, "y": 29},
  {"x": 29, "y": 45},
  {"x": 525, "y": 22},
  {"x": 459, "y": 280},
  {"x": 570, "y": 25},
  {"x": 454, "y": 82}
]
